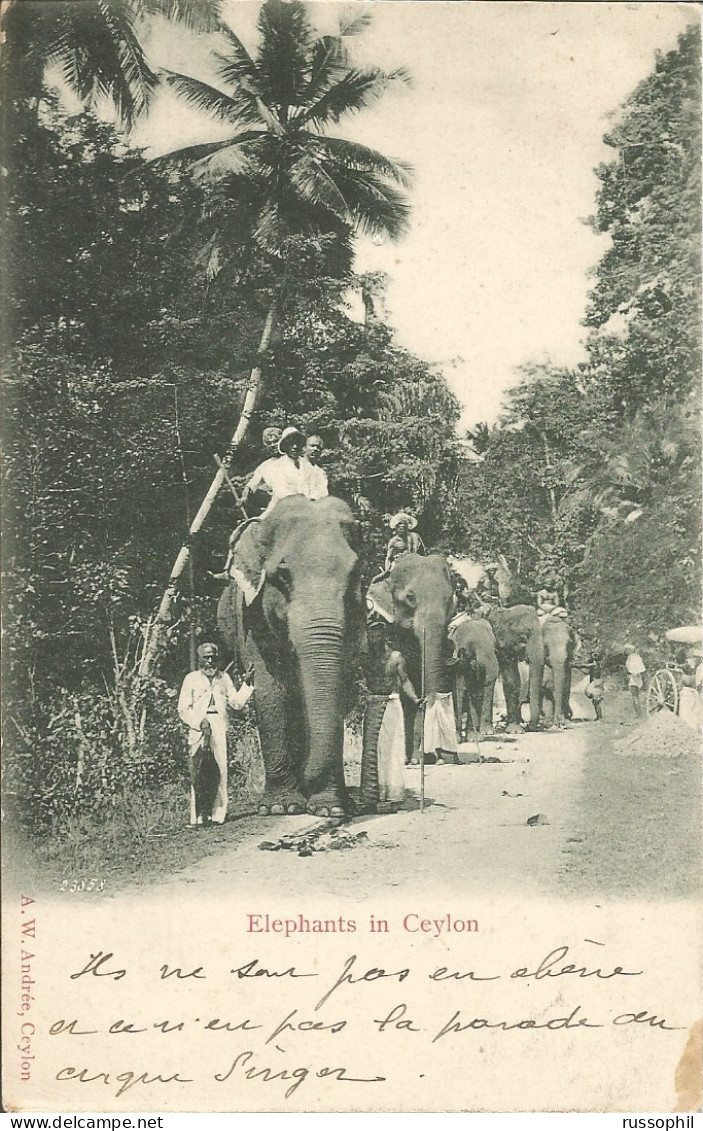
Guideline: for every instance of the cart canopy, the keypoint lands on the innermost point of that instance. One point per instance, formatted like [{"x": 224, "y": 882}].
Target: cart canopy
[{"x": 689, "y": 634}]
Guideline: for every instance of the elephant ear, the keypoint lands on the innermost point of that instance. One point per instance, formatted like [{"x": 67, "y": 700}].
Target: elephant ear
[
  {"x": 379, "y": 600},
  {"x": 247, "y": 565}
]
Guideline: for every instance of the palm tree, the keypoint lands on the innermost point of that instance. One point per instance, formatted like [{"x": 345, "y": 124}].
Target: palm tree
[
  {"x": 284, "y": 171},
  {"x": 94, "y": 44},
  {"x": 301, "y": 180},
  {"x": 480, "y": 437},
  {"x": 647, "y": 455}
]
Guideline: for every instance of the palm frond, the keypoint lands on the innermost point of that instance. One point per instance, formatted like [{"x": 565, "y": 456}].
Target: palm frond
[
  {"x": 223, "y": 107},
  {"x": 200, "y": 15},
  {"x": 355, "y": 91},
  {"x": 125, "y": 77},
  {"x": 190, "y": 153},
  {"x": 376, "y": 207},
  {"x": 327, "y": 66},
  {"x": 237, "y": 64},
  {"x": 208, "y": 258},
  {"x": 270, "y": 231},
  {"x": 353, "y": 23},
  {"x": 98, "y": 54},
  {"x": 360, "y": 158},
  {"x": 286, "y": 36},
  {"x": 237, "y": 157},
  {"x": 317, "y": 186}
]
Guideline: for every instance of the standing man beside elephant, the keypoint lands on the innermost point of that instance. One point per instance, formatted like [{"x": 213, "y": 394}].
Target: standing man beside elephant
[
  {"x": 417, "y": 597},
  {"x": 207, "y": 695},
  {"x": 383, "y": 743}
]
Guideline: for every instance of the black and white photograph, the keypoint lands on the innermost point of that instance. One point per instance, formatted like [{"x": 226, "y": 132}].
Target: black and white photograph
[{"x": 352, "y": 656}]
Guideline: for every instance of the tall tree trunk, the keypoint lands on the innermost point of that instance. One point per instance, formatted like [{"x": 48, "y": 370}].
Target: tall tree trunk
[
  {"x": 253, "y": 386},
  {"x": 550, "y": 489}
]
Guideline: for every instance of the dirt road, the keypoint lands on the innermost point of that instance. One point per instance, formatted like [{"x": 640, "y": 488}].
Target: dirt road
[{"x": 606, "y": 823}]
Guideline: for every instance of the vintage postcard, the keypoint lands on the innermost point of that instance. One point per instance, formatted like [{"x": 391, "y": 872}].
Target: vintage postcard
[{"x": 352, "y": 656}]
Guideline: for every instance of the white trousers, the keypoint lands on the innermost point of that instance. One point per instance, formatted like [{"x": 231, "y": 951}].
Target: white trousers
[{"x": 219, "y": 750}]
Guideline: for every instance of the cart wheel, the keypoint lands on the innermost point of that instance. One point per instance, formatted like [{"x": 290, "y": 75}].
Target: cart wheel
[{"x": 662, "y": 693}]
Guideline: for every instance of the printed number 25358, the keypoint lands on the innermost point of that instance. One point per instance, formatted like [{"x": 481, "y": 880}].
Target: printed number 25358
[{"x": 82, "y": 885}]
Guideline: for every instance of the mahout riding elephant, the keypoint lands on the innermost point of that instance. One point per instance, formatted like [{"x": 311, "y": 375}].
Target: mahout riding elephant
[
  {"x": 418, "y": 598},
  {"x": 475, "y": 575},
  {"x": 559, "y": 640},
  {"x": 518, "y": 636},
  {"x": 294, "y": 611},
  {"x": 476, "y": 674}
]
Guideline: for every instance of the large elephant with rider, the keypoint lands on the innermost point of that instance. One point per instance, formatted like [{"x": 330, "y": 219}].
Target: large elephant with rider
[
  {"x": 417, "y": 597},
  {"x": 294, "y": 611},
  {"x": 476, "y": 673}
]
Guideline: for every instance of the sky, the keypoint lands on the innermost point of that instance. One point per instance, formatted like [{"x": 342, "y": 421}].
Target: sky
[{"x": 503, "y": 125}]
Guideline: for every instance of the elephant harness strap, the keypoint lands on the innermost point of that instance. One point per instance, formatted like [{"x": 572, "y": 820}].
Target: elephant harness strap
[{"x": 233, "y": 539}]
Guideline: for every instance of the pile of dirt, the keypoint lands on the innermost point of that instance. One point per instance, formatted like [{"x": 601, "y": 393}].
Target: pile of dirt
[{"x": 663, "y": 733}]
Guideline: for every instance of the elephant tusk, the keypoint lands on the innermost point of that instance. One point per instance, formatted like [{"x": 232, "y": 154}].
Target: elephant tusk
[{"x": 250, "y": 591}]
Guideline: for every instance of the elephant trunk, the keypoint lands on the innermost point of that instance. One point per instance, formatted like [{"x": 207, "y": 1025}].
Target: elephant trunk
[
  {"x": 319, "y": 645},
  {"x": 434, "y": 673}
]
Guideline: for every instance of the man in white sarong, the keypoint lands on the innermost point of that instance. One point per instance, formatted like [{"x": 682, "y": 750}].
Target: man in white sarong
[
  {"x": 440, "y": 725},
  {"x": 439, "y": 731},
  {"x": 206, "y": 697}
]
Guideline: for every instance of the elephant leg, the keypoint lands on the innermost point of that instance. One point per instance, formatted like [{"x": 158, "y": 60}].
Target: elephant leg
[
  {"x": 325, "y": 804},
  {"x": 548, "y": 706},
  {"x": 459, "y": 697},
  {"x": 536, "y": 660},
  {"x": 566, "y": 696},
  {"x": 472, "y": 714},
  {"x": 487, "y": 707},
  {"x": 561, "y": 670},
  {"x": 511, "y": 690},
  {"x": 282, "y": 794}
]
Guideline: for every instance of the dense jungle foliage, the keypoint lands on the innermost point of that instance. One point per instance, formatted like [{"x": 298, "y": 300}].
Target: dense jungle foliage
[
  {"x": 133, "y": 303},
  {"x": 595, "y": 474}
]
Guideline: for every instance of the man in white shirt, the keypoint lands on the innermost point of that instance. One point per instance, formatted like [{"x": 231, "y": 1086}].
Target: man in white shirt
[
  {"x": 317, "y": 486},
  {"x": 635, "y": 670},
  {"x": 284, "y": 475},
  {"x": 206, "y": 697}
]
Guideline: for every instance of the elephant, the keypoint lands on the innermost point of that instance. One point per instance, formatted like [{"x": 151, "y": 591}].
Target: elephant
[
  {"x": 476, "y": 673},
  {"x": 559, "y": 640},
  {"x": 418, "y": 598},
  {"x": 294, "y": 611},
  {"x": 518, "y": 636}
]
